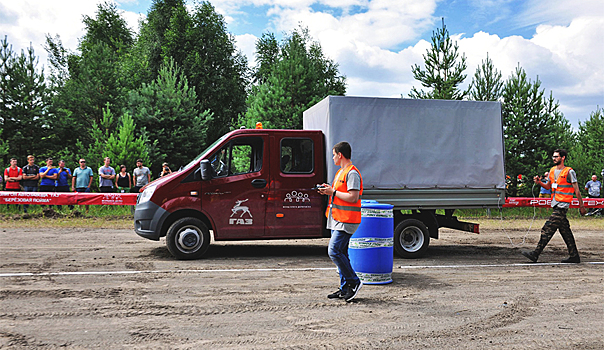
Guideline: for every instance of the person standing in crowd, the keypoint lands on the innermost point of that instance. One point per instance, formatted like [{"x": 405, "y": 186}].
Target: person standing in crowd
[
  {"x": 106, "y": 177},
  {"x": 165, "y": 170},
  {"x": 593, "y": 188},
  {"x": 63, "y": 177},
  {"x": 49, "y": 175},
  {"x": 123, "y": 181},
  {"x": 545, "y": 193},
  {"x": 13, "y": 176},
  {"x": 82, "y": 178},
  {"x": 31, "y": 175},
  {"x": 343, "y": 218},
  {"x": 563, "y": 183},
  {"x": 142, "y": 176}
]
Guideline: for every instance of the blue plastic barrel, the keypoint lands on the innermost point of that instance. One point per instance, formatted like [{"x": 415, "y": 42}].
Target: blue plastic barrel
[{"x": 371, "y": 246}]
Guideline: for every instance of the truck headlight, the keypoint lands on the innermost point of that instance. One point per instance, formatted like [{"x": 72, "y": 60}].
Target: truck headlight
[{"x": 146, "y": 195}]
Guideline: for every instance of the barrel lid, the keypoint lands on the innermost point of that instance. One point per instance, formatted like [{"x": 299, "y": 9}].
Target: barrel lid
[{"x": 371, "y": 204}]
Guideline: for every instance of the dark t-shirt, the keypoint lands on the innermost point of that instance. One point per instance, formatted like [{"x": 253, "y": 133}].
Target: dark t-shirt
[{"x": 30, "y": 171}]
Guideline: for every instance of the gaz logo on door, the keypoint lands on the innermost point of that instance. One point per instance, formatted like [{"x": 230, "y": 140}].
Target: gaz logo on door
[{"x": 241, "y": 214}]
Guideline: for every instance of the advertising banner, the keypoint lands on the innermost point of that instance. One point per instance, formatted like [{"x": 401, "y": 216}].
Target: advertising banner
[
  {"x": 513, "y": 202},
  {"x": 52, "y": 198}
]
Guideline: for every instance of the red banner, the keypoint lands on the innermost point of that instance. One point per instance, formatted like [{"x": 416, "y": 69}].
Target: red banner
[
  {"x": 71, "y": 198},
  {"x": 516, "y": 202},
  {"x": 78, "y": 198}
]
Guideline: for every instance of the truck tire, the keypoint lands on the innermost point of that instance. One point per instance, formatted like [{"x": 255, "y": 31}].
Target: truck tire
[
  {"x": 188, "y": 238},
  {"x": 411, "y": 239}
]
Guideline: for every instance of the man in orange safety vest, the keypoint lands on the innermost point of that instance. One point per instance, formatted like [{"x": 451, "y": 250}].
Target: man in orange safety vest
[
  {"x": 343, "y": 218},
  {"x": 563, "y": 183}
]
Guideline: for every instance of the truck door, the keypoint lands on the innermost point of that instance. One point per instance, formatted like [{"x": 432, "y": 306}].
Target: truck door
[
  {"x": 236, "y": 196},
  {"x": 294, "y": 209}
]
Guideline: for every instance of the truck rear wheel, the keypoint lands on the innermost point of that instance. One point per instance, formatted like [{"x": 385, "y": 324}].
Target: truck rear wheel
[
  {"x": 411, "y": 239},
  {"x": 188, "y": 238}
]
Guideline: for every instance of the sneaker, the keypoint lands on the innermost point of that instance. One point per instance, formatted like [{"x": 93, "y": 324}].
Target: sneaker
[
  {"x": 353, "y": 291},
  {"x": 336, "y": 295},
  {"x": 530, "y": 254},
  {"x": 572, "y": 260}
]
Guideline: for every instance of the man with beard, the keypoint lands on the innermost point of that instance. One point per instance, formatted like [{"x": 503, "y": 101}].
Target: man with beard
[{"x": 563, "y": 183}]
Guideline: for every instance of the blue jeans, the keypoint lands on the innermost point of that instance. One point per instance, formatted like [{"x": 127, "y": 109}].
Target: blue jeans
[
  {"x": 29, "y": 189},
  {"x": 338, "y": 252}
]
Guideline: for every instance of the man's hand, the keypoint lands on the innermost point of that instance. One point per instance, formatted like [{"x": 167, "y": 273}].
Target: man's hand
[
  {"x": 536, "y": 179},
  {"x": 583, "y": 211}
]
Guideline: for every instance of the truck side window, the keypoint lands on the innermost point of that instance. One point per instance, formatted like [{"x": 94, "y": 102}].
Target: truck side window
[
  {"x": 241, "y": 156},
  {"x": 297, "y": 156},
  {"x": 246, "y": 155}
]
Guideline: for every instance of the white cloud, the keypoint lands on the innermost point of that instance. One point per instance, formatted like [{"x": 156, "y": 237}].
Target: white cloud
[
  {"x": 566, "y": 58},
  {"x": 28, "y": 21},
  {"x": 247, "y": 44},
  {"x": 556, "y": 12}
]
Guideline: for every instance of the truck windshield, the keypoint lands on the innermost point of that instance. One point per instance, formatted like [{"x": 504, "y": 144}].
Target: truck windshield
[{"x": 204, "y": 152}]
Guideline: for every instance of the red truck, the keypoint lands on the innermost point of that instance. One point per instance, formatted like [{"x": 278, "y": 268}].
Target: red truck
[{"x": 258, "y": 184}]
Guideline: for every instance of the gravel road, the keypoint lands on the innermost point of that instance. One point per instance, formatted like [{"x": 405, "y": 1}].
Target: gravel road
[{"x": 81, "y": 288}]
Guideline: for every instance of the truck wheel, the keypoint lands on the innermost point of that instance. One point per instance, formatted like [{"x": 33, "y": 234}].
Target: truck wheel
[
  {"x": 188, "y": 238},
  {"x": 411, "y": 239}
]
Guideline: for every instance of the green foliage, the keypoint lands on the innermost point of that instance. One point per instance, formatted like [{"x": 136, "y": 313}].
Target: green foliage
[
  {"x": 168, "y": 109},
  {"x": 533, "y": 128},
  {"x": 107, "y": 27},
  {"x": 23, "y": 103},
  {"x": 487, "y": 84},
  {"x": 293, "y": 77},
  {"x": 588, "y": 153},
  {"x": 444, "y": 73},
  {"x": 267, "y": 55},
  {"x": 121, "y": 146},
  {"x": 124, "y": 148}
]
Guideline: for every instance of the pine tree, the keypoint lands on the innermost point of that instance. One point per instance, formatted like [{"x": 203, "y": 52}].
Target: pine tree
[
  {"x": 588, "y": 153},
  {"x": 487, "y": 83},
  {"x": 296, "y": 79},
  {"x": 169, "y": 111},
  {"x": 533, "y": 128},
  {"x": 123, "y": 147},
  {"x": 24, "y": 103},
  {"x": 443, "y": 73}
]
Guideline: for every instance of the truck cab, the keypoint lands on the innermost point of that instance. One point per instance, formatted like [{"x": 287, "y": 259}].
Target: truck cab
[{"x": 248, "y": 185}]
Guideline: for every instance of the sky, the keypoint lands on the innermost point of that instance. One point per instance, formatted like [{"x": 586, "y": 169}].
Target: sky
[{"x": 376, "y": 42}]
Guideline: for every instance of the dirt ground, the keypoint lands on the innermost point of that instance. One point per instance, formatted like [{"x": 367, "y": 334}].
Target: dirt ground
[{"x": 80, "y": 288}]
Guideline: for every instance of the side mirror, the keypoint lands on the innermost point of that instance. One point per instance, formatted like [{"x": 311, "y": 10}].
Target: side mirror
[{"x": 205, "y": 169}]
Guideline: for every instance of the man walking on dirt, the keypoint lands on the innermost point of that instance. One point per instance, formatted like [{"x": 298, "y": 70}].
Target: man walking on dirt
[
  {"x": 563, "y": 183},
  {"x": 343, "y": 218}
]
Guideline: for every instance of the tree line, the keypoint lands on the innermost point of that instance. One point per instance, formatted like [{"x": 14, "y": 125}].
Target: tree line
[{"x": 169, "y": 91}]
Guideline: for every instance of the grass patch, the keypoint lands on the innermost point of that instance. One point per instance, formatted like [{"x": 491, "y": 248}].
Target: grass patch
[{"x": 98, "y": 216}]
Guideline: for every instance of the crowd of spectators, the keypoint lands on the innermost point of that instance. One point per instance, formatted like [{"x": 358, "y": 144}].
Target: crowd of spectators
[{"x": 50, "y": 178}]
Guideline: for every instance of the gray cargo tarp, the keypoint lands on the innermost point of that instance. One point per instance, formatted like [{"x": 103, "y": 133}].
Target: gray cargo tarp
[{"x": 416, "y": 144}]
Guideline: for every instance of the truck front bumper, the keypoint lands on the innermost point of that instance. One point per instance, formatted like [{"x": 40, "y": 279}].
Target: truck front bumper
[{"x": 148, "y": 220}]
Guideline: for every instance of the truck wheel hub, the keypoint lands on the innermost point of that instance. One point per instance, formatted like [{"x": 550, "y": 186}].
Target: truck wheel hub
[{"x": 189, "y": 239}]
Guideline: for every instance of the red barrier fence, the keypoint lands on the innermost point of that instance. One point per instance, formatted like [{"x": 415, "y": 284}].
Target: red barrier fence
[
  {"x": 76, "y": 198},
  {"x": 70, "y": 198},
  {"x": 516, "y": 202}
]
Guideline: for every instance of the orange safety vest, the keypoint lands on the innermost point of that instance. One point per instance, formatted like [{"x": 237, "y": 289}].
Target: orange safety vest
[
  {"x": 341, "y": 210},
  {"x": 565, "y": 190}
]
